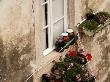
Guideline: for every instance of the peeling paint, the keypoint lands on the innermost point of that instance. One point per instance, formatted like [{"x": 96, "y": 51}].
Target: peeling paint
[{"x": 17, "y": 46}]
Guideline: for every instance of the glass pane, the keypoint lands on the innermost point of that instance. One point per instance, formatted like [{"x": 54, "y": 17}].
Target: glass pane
[
  {"x": 57, "y": 9},
  {"x": 58, "y": 28},
  {"x": 45, "y": 15},
  {"x": 45, "y": 37}
]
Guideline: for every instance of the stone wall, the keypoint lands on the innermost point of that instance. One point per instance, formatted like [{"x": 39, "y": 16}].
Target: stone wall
[
  {"x": 100, "y": 49},
  {"x": 71, "y": 13},
  {"x": 17, "y": 48},
  {"x": 96, "y": 5},
  {"x": 99, "y": 45}
]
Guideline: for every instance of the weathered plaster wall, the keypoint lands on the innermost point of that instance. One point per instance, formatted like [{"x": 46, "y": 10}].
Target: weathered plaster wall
[
  {"x": 96, "y": 5},
  {"x": 99, "y": 45},
  {"x": 71, "y": 13},
  {"x": 16, "y": 40},
  {"x": 74, "y": 12},
  {"x": 101, "y": 55}
]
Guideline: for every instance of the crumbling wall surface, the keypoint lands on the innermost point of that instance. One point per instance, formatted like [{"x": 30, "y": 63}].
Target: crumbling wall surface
[
  {"x": 100, "y": 49},
  {"x": 99, "y": 45},
  {"x": 96, "y": 5},
  {"x": 16, "y": 40},
  {"x": 71, "y": 13}
]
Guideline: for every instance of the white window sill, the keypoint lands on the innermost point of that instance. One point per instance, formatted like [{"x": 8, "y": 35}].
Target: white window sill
[{"x": 47, "y": 51}]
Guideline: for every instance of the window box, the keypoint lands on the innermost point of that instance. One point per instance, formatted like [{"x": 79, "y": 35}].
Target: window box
[
  {"x": 94, "y": 23},
  {"x": 65, "y": 39}
]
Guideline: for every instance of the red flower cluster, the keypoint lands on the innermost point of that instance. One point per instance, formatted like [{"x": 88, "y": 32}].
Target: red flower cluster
[
  {"x": 80, "y": 57},
  {"x": 89, "y": 56},
  {"x": 72, "y": 53}
]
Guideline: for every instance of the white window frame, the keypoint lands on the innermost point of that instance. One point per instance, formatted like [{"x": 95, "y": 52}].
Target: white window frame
[{"x": 51, "y": 23}]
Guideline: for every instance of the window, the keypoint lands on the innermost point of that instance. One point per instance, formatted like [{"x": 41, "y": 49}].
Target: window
[{"x": 54, "y": 22}]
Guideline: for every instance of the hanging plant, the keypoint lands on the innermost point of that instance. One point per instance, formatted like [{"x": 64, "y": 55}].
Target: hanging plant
[
  {"x": 46, "y": 78},
  {"x": 71, "y": 69},
  {"x": 93, "y": 22},
  {"x": 75, "y": 57},
  {"x": 101, "y": 17},
  {"x": 90, "y": 25},
  {"x": 89, "y": 16}
]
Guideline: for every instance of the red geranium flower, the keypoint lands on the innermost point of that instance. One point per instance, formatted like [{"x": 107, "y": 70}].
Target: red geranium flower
[
  {"x": 89, "y": 56},
  {"x": 72, "y": 53},
  {"x": 80, "y": 58}
]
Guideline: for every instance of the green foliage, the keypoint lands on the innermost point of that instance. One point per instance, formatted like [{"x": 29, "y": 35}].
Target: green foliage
[
  {"x": 101, "y": 17},
  {"x": 64, "y": 70},
  {"x": 68, "y": 69},
  {"x": 75, "y": 59},
  {"x": 103, "y": 13},
  {"x": 89, "y": 16},
  {"x": 70, "y": 75},
  {"x": 90, "y": 25},
  {"x": 57, "y": 66},
  {"x": 94, "y": 20}
]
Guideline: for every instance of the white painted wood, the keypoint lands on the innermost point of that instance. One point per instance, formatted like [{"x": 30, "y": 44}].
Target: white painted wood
[
  {"x": 45, "y": 27},
  {"x": 47, "y": 51},
  {"x": 65, "y": 15},
  {"x": 45, "y": 3},
  {"x": 51, "y": 23},
  {"x": 58, "y": 20}
]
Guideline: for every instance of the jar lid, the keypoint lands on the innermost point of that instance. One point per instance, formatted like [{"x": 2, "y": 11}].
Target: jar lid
[
  {"x": 64, "y": 34},
  {"x": 69, "y": 30}
]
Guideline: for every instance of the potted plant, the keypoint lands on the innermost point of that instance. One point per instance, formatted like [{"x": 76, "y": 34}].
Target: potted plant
[
  {"x": 90, "y": 26},
  {"x": 92, "y": 23},
  {"x": 71, "y": 69}
]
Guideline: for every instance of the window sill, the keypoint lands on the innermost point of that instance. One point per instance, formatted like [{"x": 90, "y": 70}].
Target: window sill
[{"x": 48, "y": 51}]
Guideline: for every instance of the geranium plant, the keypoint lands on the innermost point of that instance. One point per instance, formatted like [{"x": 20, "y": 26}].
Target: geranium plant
[
  {"x": 65, "y": 40},
  {"x": 71, "y": 69}
]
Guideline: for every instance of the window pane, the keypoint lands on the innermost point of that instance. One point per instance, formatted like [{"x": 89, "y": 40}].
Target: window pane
[
  {"x": 58, "y": 28},
  {"x": 57, "y": 9},
  {"x": 45, "y": 37},
  {"x": 45, "y": 14}
]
